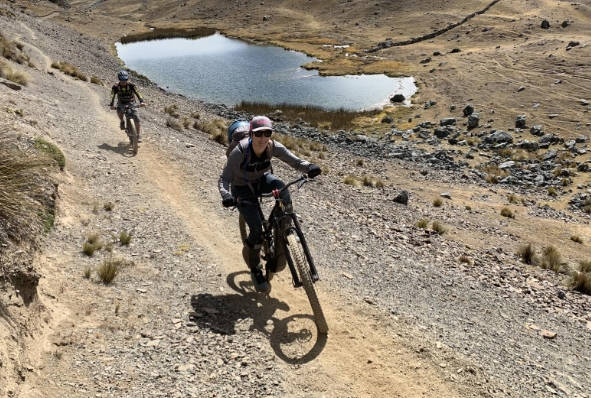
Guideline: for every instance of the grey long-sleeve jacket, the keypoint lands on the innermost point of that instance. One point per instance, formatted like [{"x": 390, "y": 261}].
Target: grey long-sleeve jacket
[{"x": 239, "y": 170}]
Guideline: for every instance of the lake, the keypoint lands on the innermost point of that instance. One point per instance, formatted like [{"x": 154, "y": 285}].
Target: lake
[{"x": 217, "y": 69}]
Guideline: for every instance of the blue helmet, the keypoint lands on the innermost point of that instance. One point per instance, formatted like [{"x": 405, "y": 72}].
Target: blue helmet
[
  {"x": 123, "y": 75},
  {"x": 238, "y": 126}
]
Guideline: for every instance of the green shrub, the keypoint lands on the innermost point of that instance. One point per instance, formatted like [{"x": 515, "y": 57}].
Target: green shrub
[{"x": 51, "y": 150}]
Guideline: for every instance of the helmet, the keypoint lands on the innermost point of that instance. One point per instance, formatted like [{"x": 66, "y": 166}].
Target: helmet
[
  {"x": 123, "y": 75},
  {"x": 260, "y": 123},
  {"x": 238, "y": 126}
]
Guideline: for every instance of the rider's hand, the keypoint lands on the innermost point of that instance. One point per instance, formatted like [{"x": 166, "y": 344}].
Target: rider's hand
[
  {"x": 314, "y": 171},
  {"x": 113, "y": 107},
  {"x": 142, "y": 104},
  {"x": 229, "y": 201}
]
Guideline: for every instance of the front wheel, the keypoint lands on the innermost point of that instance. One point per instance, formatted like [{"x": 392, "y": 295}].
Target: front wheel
[
  {"x": 298, "y": 257},
  {"x": 132, "y": 135}
]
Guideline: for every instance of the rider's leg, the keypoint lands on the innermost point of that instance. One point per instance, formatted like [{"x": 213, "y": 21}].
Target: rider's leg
[
  {"x": 137, "y": 128},
  {"x": 121, "y": 122}
]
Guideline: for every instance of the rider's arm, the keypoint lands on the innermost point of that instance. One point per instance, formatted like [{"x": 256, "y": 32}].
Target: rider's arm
[
  {"x": 230, "y": 169},
  {"x": 137, "y": 94},
  {"x": 281, "y": 152},
  {"x": 114, "y": 91}
]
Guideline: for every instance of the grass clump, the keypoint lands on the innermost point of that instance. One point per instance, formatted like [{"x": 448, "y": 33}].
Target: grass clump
[
  {"x": 527, "y": 254},
  {"x": 109, "y": 206},
  {"x": 172, "y": 110},
  {"x": 351, "y": 180},
  {"x": 360, "y": 162},
  {"x": 174, "y": 124},
  {"x": 552, "y": 191},
  {"x": 465, "y": 259},
  {"x": 13, "y": 51},
  {"x": 493, "y": 173},
  {"x": 87, "y": 272},
  {"x": 576, "y": 239},
  {"x": 96, "y": 80},
  {"x": 340, "y": 119},
  {"x": 51, "y": 150},
  {"x": 438, "y": 202},
  {"x": 506, "y": 212},
  {"x": 585, "y": 265},
  {"x": 24, "y": 203},
  {"x": 551, "y": 259},
  {"x": 513, "y": 199},
  {"x": 69, "y": 70},
  {"x": 580, "y": 281},
  {"x": 438, "y": 227},
  {"x": 92, "y": 244},
  {"x": 423, "y": 223},
  {"x": 468, "y": 207},
  {"x": 6, "y": 72},
  {"x": 125, "y": 238},
  {"x": 109, "y": 269},
  {"x": 372, "y": 182}
]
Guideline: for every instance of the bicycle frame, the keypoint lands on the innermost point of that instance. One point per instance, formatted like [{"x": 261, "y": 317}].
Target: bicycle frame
[{"x": 279, "y": 214}]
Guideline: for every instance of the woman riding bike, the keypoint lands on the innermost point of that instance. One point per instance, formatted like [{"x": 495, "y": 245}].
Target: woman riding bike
[{"x": 248, "y": 172}]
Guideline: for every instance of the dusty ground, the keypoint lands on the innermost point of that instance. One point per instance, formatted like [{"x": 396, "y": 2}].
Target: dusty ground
[{"x": 398, "y": 328}]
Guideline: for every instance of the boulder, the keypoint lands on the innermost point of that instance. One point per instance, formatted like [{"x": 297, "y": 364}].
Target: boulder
[{"x": 398, "y": 98}]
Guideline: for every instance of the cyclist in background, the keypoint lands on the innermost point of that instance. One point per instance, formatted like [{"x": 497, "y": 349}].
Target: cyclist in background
[
  {"x": 126, "y": 91},
  {"x": 248, "y": 172}
]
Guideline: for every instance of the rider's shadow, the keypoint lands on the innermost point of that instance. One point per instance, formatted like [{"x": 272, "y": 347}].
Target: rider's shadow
[
  {"x": 122, "y": 148},
  {"x": 249, "y": 310}
]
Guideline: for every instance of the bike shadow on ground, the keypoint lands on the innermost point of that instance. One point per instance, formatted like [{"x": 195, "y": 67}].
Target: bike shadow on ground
[
  {"x": 122, "y": 149},
  {"x": 249, "y": 310}
]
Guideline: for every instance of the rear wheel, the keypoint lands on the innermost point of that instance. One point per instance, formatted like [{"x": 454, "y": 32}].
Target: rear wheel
[
  {"x": 132, "y": 135},
  {"x": 296, "y": 252}
]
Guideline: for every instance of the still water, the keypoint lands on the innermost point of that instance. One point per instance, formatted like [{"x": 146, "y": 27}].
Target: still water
[{"x": 222, "y": 70}]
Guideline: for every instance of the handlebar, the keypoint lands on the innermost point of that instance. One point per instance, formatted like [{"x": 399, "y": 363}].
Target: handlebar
[{"x": 276, "y": 193}]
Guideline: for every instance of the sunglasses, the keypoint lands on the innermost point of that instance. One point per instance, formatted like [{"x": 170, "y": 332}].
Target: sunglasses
[{"x": 260, "y": 133}]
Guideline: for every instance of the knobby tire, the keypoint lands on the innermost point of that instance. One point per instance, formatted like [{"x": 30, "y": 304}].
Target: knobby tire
[
  {"x": 132, "y": 136},
  {"x": 297, "y": 254}
]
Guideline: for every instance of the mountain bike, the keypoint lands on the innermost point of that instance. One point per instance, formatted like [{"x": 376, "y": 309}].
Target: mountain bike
[{"x": 284, "y": 242}]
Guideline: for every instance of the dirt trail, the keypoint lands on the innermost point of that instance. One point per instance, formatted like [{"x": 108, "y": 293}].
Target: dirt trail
[{"x": 361, "y": 356}]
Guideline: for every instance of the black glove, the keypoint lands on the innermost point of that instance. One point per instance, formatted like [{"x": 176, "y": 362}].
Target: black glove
[
  {"x": 313, "y": 171},
  {"x": 229, "y": 201}
]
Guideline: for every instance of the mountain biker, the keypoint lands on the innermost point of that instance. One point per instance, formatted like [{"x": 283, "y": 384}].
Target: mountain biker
[
  {"x": 126, "y": 91},
  {"x": 248, "y": 172}
]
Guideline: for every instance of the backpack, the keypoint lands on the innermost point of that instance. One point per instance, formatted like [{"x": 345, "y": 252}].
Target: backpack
[{"x": 237, "y": 131}]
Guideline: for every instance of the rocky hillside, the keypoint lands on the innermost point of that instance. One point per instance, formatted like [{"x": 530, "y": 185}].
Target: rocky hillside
[{"x": 415, "y": 308}]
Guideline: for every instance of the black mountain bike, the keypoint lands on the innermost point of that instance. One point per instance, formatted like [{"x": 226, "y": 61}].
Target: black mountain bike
[
  {"x": 284, "y": 242},
  {"x": 130, "y": 127}
]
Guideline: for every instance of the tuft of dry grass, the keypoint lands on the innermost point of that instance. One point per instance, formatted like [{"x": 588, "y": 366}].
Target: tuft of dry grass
[
  {"x": 351, "y": 180},
  {"x": 172, "y": 110},
  {"x": 551, "y": 259},
  {"x": 512, "y": 198},
  {"x": 581, "y": 282},
  {"x": 109, "y": 206},
  {"x": 506, "y": 212},
  {"x": 108, "y": 270},
  {"x": 6, "y": 72},
  {"x": 465, "y": 259},
  {"x": 340, "y": 119},
  {"x": 423, "y": 223},
  {"x": 438, "y": 202},
  {"x": 585, "y": 265},
  {"x": 13, "y": 51},
  {"x": 438, "y": 227},
  {"x": 125, "y": 238},
  {"x": 552, "y": 191},
  {"x": 92, "y": 244},
  {"x": 23, "y": 185},
  {"x": 174, "y": 124},
  {"x": 493, "y": 173},
  {"x": 360, "y": 162},
  {"x": 527, "y": 254},
  {"x": 69, "y": 70},
  {"x": 576, "y": 239},
  {"x": 96, "y": 80},
  {"x": 87, "y": 272}
]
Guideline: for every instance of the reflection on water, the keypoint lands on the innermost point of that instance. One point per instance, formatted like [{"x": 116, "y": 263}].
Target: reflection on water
[{"x": 221, "y": 70}]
